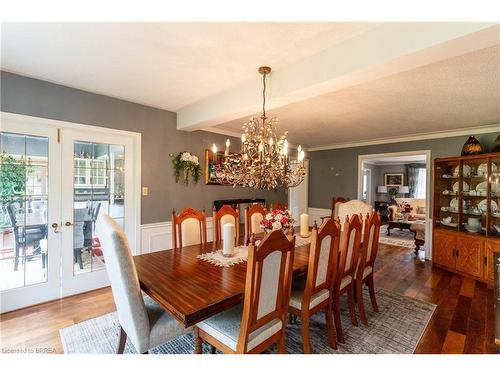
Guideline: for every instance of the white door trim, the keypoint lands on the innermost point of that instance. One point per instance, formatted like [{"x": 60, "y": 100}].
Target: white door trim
[
  {"x": 428, "y": 192},
  {"x": 26, "y": 121}
]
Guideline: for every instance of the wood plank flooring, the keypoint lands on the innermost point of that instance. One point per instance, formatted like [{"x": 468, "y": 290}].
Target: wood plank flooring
[{"x": 462, "y": 323}]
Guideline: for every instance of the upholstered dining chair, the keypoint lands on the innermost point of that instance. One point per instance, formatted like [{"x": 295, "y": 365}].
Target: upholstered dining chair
[
  {"x": 253, "y": 216},
  {"x": 364, "y": 273},
  {"x": 348, "y": 262},
  {"x": 334, "y": 214},
  {"x": 352, "y": 207},
  {"x": 312, "y": 294},
  {"x": 259, "y": 322},
  {"x": 226, "y": 214},
  {"x": 142, "y": 320},
  {"x": 189, "y": 228}
]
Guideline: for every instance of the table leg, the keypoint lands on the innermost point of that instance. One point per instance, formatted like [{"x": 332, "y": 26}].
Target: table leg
[{"x": 389, "y": 230}]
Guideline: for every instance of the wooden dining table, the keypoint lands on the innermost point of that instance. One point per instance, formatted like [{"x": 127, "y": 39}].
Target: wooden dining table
[{"x": 191, "y": 289}]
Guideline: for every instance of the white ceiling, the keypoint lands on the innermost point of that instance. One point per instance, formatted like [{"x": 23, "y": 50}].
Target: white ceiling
[
  {"x": 426, "y": 85},
  {"x": 164, "y": 65},
  {"x": 452, "y": 94}
]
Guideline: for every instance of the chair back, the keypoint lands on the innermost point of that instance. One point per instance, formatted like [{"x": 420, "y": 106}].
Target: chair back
[
  {"x": 253, "y": 216},
  {"x": 189, "y": 228},
  {"x": 13, "y": 223},
  {"x": 226, "y": 214},
  {"x": 352, "y": 207},
  {"x": 370, "y": 242},
  {"x": 95, "y": 211},
  {"x": 323, "y": 259},
  {"x": 122, "y": 275},
  {"x": 268, "y": 283},
  {"x": 349, "y": 247},
  {"x": 335, "y": 206}
]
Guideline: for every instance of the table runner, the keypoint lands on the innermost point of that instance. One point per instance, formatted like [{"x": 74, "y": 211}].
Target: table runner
[{"x": 241, "y": 254}]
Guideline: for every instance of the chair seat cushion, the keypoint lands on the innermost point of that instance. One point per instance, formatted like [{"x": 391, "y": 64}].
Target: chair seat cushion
[
  {"x": 345, "y": 281},
  {"x": 163, "y": 327},
  {"x": 298, "y": 293},
  {"x": 225, "y": 327}
]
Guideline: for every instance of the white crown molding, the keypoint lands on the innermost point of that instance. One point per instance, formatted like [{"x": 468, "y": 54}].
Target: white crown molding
[{"x": 415, "y": 137}]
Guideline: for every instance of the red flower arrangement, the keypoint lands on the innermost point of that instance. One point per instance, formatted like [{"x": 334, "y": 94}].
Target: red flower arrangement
[
  {"x": 277, "y": 219},
  {"x": 405, "y": 207}
]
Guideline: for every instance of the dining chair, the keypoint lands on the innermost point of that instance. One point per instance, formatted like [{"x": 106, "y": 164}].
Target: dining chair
[
  {"x": 348, "y": 260},
  {"x": 364, "y": 273},
  {"x": 334, "y": 210},
  {"x": 312, "y": 294},
  {"x": 352, "y": 207},
  {"x": 189, "y": 228},
  {"x": 253, "y": 216},
  {"x": 259, "y": 322},
  {"x": 24, "y": 238},
  {"x": 225, "y": 215},
  {"x": 142, "y": 320}
]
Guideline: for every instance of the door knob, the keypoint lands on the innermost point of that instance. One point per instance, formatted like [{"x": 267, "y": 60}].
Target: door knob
[
  {"x": 68, "y": 224},
  {"x": 56, "y": 227}
]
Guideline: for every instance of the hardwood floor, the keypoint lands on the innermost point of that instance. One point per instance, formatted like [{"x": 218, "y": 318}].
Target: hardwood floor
[{"x": 462, "y": 323}]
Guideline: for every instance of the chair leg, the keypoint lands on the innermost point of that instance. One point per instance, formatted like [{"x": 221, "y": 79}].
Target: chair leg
[
  {"x": 213, "y": 349},
  {"x": 121, "y": 341},
  {"x": 361, "y": 305},
  {"x": 371, "y": 289},
  {"x": 16, "y": 259},
  {"x": 329, "y": 326},
  {"x": 281, "y": 345},
  {"x": 290, "y": 318},
  {"x": 306, "y": 339},
  {"x": 350, "y": 302},
  {"x": 198, "y": 342},
  {"x": 338, "y": 322},
  {"x": 44, "y": 260}
]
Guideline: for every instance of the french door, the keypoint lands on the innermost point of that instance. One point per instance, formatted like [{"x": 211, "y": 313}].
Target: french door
[{"x": 56, "y": 182}]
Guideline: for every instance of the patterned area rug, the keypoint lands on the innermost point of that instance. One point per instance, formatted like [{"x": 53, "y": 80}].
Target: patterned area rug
[
  {"x": 397, "y": 328},
  {"x": 398, "y": 237}
]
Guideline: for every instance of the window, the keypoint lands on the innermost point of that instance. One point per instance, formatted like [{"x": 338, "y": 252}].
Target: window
[
  {"x": 421, "y": 177},
  {"x": 90, "y": 172}
]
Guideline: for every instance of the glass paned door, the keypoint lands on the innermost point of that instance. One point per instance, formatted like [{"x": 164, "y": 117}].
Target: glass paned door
[
  {"x": 98, "y": 185},
  {"x": 29, "y": 243}
]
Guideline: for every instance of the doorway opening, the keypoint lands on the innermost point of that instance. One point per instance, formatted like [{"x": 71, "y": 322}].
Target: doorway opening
[{"x": 397, "y": 185}]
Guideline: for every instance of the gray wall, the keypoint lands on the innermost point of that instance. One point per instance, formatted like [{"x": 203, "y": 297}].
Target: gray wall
[
  {"x": 378, "y": 172},
  {"x": 335, "y": 172},
  {"x": 27, "y": 96}
]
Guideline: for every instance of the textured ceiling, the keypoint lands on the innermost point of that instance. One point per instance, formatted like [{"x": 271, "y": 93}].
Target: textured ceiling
[
  {"x": 456, "y": 93},
  {"x": 165, "y": 65}
]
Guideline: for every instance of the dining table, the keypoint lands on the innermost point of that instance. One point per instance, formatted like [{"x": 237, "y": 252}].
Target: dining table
[{"x": 191, "y": 289}]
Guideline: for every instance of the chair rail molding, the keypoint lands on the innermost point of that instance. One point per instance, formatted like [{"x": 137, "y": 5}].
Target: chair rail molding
[{"x": 158, "y": 236}]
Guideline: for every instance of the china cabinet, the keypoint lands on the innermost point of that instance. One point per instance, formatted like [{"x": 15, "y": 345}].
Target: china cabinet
[{"x": 466, "y": 214}]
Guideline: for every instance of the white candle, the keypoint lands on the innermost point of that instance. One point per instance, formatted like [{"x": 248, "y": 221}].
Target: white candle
[
  {"x": 228, "y": 239},
  {"x": 304, "y": 225}
]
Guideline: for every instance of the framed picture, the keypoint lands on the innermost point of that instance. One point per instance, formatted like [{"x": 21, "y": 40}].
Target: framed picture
[
  {"x": 210, "y": 161},
  {"x": 394, "y": 179}
]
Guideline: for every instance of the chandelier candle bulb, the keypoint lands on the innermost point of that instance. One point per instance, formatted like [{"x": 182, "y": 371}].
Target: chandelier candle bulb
[
  {"x": 228, "y": 143},
  {"x": 228, "y": 240},
  {"x": 304, "y": 225}
]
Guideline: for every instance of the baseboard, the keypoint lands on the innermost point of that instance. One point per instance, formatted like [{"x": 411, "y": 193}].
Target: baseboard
[{"x": 158, "y": 236}]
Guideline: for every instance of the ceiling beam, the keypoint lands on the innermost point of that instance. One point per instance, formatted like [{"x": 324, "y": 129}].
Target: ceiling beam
[{"x": 385, "y": 50}]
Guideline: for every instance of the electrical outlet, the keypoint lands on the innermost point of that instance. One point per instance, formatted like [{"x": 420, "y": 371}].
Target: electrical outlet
[{"x": 145, "y": 191}]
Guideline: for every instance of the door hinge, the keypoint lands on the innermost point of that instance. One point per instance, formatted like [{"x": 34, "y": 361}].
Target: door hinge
[{"x": 58, "y": 135}]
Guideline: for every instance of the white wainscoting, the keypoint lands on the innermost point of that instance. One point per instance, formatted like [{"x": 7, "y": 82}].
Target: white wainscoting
[
  {"x": 158, "y": 236},
  {"x": 316, "y": 214}
]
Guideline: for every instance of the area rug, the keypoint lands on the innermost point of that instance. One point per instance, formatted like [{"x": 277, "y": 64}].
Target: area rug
[
  {"x": 403, "y": 238},
  {"x": 397, "y": 328}
]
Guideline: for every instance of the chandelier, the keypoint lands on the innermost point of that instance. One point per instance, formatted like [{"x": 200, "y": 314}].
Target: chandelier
[{"x": 263, "y": 161}]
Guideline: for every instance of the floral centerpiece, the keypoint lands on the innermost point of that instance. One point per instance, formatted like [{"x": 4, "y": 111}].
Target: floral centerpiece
[
  {"x": 186, "y": 164},
  {"x": 277, "y": 219},
  {"x": 405, "y": 208}
]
